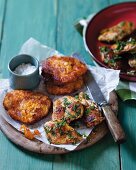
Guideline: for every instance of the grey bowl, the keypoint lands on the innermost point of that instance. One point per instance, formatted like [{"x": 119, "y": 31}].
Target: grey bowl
[{"x": 24, "y": 82}]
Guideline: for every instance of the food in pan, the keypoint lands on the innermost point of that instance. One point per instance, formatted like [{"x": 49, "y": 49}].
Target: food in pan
[
  {"x": 63, "y": 69},
  {"x": 59, "y": 132},
  {"x": 121, "y": 54},
  {"x": 67, "y": 108},
  {"x": 125, "y": 60},
  {"x": 117, "y": 32},
  {"x": 121, "y": 47},
  {"x": 63, "y": 75},
  {"x": 26, "y": 106},
  {"x": 92, "y": 115},
  {"x": 111, "y": 59},
  {"x": 66, "y": 88}
]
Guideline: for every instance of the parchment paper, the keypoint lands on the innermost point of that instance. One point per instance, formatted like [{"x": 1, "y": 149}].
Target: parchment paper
[{"x": 106, "y": 78}]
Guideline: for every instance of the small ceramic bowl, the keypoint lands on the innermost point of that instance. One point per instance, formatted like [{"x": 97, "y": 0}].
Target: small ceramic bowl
[{"x": 24, "y": 82}]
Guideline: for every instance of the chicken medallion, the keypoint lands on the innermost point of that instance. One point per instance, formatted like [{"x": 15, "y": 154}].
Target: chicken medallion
[
  {"x": 26, "y": 106},
  {"x": 124, "y": 46},
  {"x": 59, "y": 132},
  {"x": 92, "y": 114},
  {"x": 67, "y": 108},
  {"x": 62, "y": 70},
  {"x": 117, "y": 32}
]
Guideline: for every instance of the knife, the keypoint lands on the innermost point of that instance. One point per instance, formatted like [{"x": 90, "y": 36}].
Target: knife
[{"x": 112, "y": 121}]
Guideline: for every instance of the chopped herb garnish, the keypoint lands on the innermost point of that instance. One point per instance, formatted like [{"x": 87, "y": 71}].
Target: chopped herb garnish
[
  {"x": 87, "y": 111},
  {"x": 75, "y": 107},
  {"x": 92, "y": 107},
  {"x": 104, "y": 49},
  {"x": 106, "y": 60},
  {"x": 78, "y": 112},
  {"x": 66, "y": 102},
  {"x": 120, "y": 45},
  {"x": 47, "y": 129},
  {"x": 70, "y": 135},
  {"x": 70, "y": 115},
  {"x": 116, "y": 57},
  {"x": 60, "y": 124},
  {"x": 76, "y": 97},
  {"x": 122, "y": 23},
  {"x": 86, "y": 96},
  {"x": 132, "y": 41},
  {"x": 53, "y": 133}
]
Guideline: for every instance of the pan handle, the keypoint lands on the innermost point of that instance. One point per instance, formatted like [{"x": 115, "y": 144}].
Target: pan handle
[
  {"x": 79, "y": 25},
  {"x": 113, "y": 124},
  {"x": 82, "y": 23}
]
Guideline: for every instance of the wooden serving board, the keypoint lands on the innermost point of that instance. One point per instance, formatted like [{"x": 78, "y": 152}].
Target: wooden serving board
[{"x": 40, "y": 147}]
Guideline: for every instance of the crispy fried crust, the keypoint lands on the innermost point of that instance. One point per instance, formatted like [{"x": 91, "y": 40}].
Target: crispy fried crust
[
  {"x": 26, "y": 106},
  {"x": 117, "y": 32},
  {"x": 67, "y": 108},
  {"x": 59, "y": 132},
  {"x": 64, "y": 89},
  {"x": 63, "y": 70},
  {"x": 92, "y": 114}
]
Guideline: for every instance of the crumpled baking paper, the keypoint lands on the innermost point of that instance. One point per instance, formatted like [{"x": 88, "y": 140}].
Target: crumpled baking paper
[{"x": 107, "y": 80}]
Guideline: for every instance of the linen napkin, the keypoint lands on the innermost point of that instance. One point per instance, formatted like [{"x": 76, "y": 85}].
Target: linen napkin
[{"x": 126, "y": 90}]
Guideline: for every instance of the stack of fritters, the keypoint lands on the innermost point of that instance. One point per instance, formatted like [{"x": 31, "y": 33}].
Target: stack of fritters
[{"x": 63, "y": 75}]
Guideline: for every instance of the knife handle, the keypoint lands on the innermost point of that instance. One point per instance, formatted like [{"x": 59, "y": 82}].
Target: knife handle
[{"x": 113, "y": 124}]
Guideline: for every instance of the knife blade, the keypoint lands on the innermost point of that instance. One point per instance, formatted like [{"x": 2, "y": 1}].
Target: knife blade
[{"x": 112, "y": 121}]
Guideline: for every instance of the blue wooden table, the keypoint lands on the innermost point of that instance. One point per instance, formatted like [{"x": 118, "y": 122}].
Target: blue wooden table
[{"x": 51, "y": 22}]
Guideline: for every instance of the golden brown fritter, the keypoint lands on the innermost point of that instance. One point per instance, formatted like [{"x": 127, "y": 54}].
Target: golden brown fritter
[
  {"x": 117, "y": 32},
  {"x": 26, "y": 106},
  {"x": 59, "y": 132},
  {"x": 67, "y": 108},
  {"x": 124, "y": 47},
  {"x": 64, "y": 89},
  {"x": 62, "y": 70},
  {"x": 92, "y": 114}
]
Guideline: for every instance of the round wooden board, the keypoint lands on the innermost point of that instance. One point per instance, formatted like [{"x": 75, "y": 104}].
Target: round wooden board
[{"x": 40, "y": 147}]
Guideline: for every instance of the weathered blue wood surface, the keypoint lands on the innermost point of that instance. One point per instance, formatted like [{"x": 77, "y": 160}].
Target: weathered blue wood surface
[{"x": 51, "y": 22}]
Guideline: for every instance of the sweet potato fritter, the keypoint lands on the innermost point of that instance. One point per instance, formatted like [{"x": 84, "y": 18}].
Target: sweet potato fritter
[
  {"x": 64, "y": 89},
  {"x": 92, "y": 114},
  {"x": 63, "y": 70},
  {"x": 26, "y": 106},
  {"x": 67, "y": 108},
  {"x": 117, "y": 32},
  {"x": 59, "y": 132}
]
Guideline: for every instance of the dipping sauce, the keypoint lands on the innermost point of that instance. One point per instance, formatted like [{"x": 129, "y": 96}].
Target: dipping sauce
[{"x": 24, "y": 69}]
